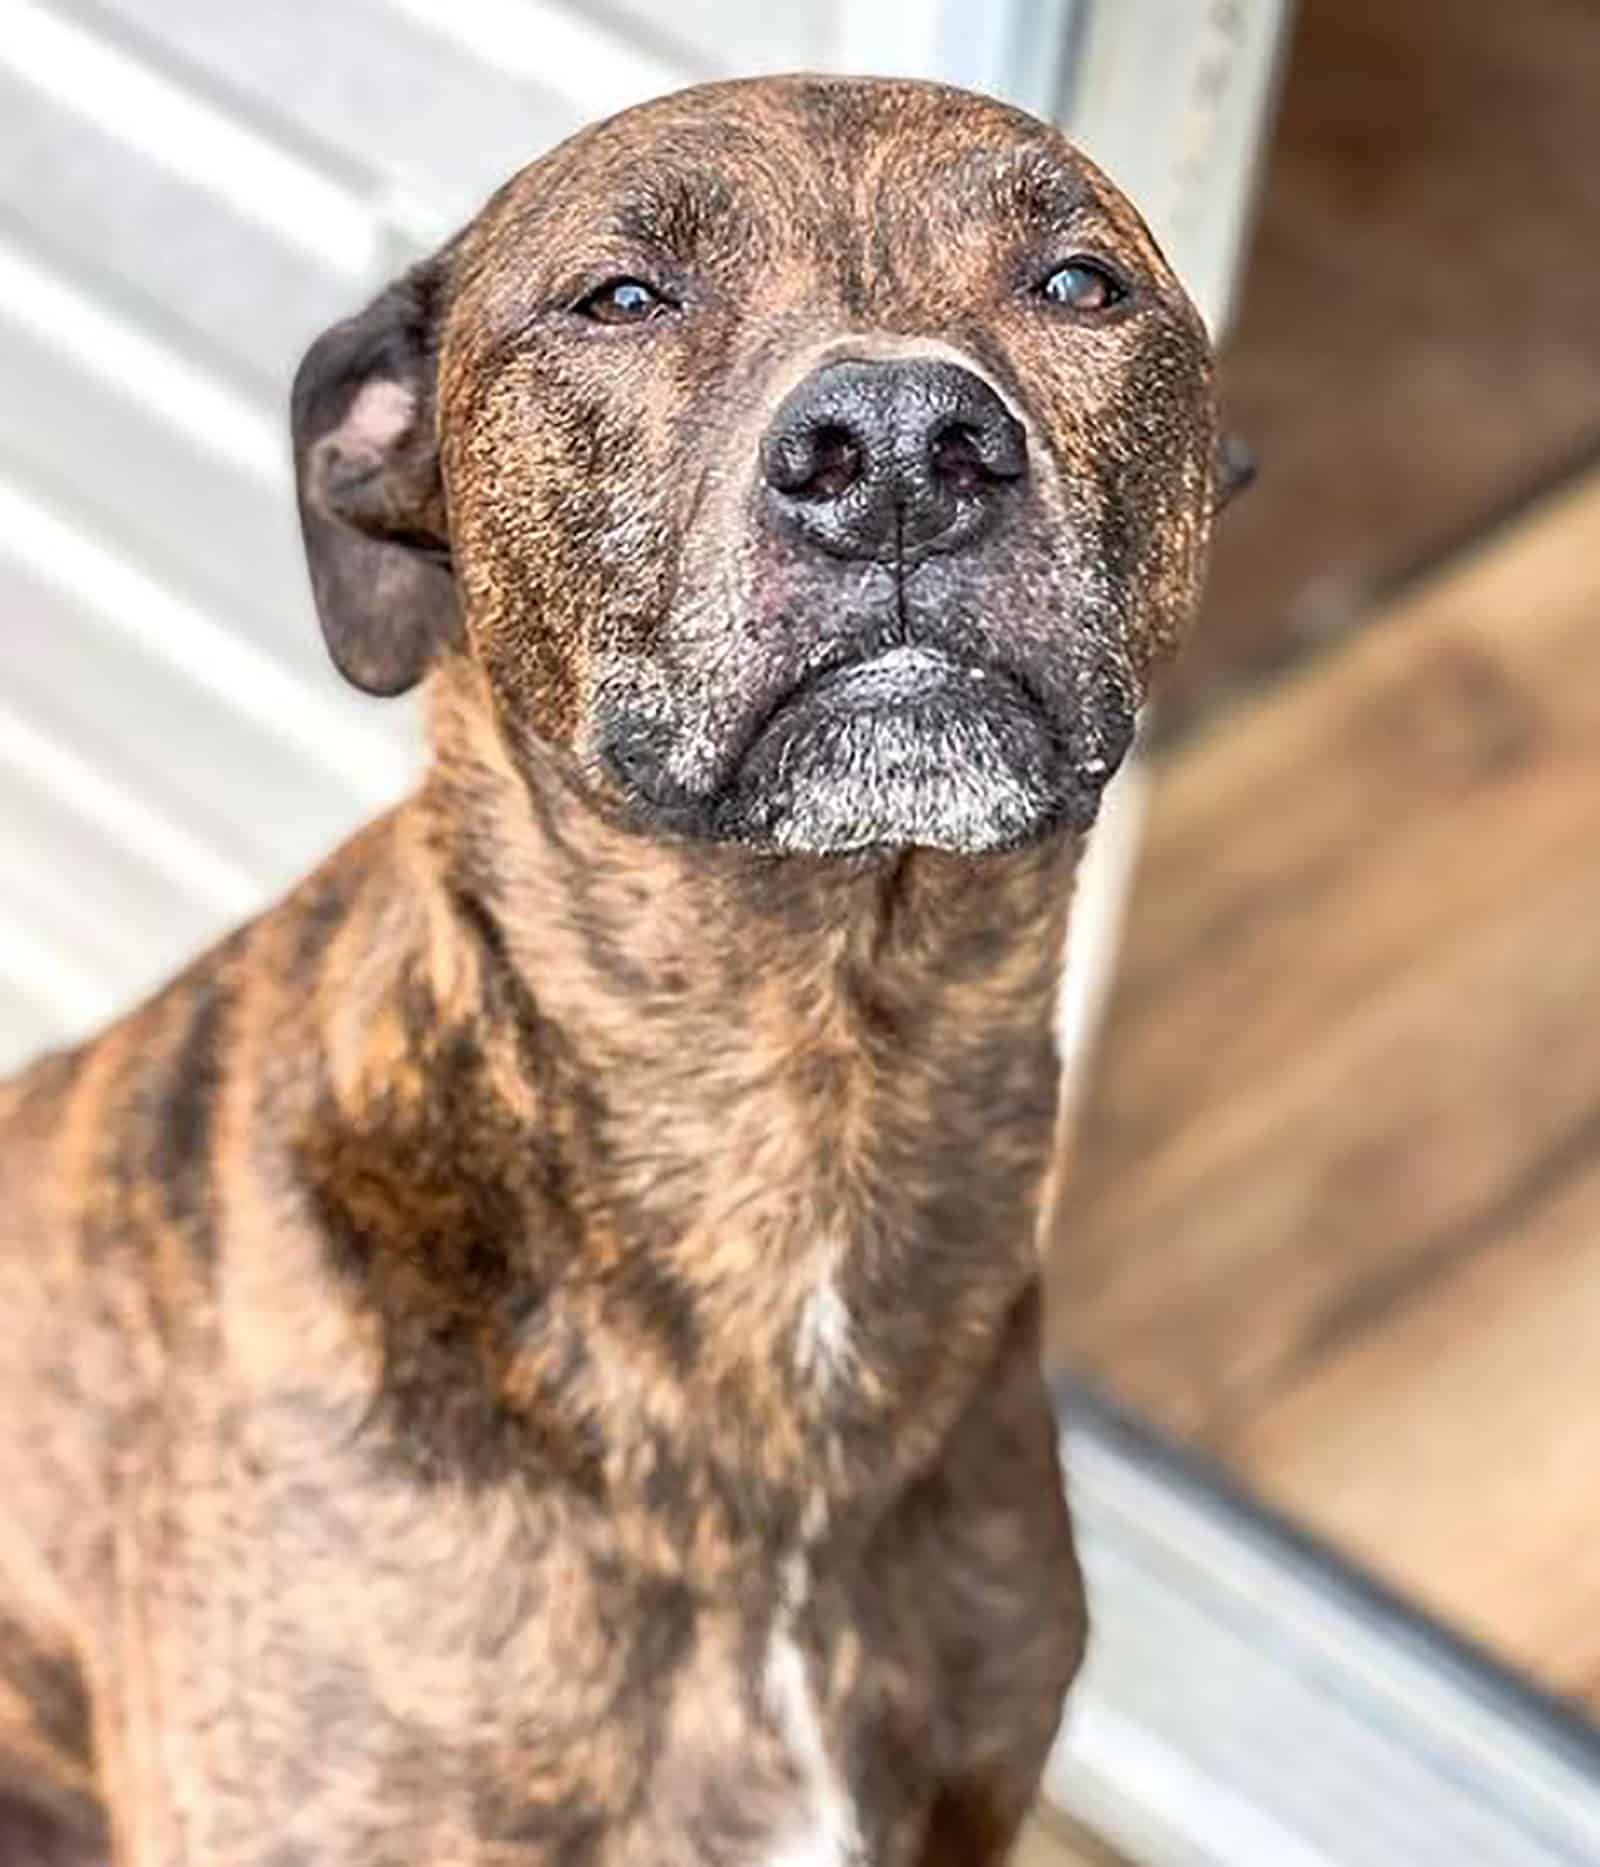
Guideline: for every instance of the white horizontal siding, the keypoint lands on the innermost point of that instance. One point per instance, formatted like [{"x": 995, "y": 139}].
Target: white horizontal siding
[
  {"x": 26, "y": 1016},
  {"x": 161, "y": 236},
  {"x": 85, "y": 917},
  {"x": 406, "y": 93},
  {"x": 174, "y": 743},
  {"x": 115, "y": 444},
  {"x": 733, "y": 38}
]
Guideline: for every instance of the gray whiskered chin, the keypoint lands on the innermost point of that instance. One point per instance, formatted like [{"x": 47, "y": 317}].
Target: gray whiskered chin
[
  {"x": 907, "y": 748},
  {"x": 872, "y": 780},
  {"x": 912, "y": 749}
]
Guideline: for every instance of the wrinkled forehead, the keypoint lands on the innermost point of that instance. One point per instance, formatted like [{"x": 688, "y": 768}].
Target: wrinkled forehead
[{"x": 863, "y": 178}]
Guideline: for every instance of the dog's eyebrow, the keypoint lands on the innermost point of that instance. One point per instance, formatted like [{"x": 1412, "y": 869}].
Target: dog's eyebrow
[
  {"x": 682, "y": 217},
  {"x": 1034, "y": 187}
]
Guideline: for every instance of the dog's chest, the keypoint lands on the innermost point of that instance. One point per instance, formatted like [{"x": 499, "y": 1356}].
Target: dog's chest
[
  {"x": 822, "y": 1827},
  {"x": 536, "y": 1696},
  {"x": 750, "y": 1766}
]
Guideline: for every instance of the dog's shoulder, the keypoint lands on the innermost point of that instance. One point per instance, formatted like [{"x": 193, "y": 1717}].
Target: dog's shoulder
[{"x": 118, "y": 1135}]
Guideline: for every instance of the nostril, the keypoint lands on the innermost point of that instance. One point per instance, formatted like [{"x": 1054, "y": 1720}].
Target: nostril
[
  {"x": 814, "y": 464},
  {"x": 957, "y": 461},
  {"x": 967, "y": 459},
  {"x": 836, "y": 456}
]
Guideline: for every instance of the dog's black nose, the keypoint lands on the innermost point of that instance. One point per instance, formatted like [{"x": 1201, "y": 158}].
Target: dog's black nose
[{"x": 892, "y": 460}]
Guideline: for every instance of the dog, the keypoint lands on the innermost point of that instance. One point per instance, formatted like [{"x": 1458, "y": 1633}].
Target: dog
[{"x": 529, "y": 1351}]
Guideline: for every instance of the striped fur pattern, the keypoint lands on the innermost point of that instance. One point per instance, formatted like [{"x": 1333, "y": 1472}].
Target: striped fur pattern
[{"x": 527, "y": 1353}]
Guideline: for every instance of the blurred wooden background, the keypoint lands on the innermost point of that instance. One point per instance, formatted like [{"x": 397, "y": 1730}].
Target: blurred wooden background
[
  {"x": 1418, "y": 338},
  {"x": 1336, "y": 1211}
]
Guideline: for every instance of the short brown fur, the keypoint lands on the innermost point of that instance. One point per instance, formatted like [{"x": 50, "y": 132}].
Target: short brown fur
[{"x": 419, "y": 1412}]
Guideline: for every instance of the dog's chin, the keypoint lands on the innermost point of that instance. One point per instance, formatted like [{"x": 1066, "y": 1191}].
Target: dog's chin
[{"x": 908, "y": 749}]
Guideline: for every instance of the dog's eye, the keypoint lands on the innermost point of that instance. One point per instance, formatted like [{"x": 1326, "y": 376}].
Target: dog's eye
[
  {"x": 624, "y": 301},
  {"x": 1083, "y": 285}
]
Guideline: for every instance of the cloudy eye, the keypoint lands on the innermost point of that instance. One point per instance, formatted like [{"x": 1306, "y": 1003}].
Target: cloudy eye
[
  {"x": 624, "y": 301},
  {"x": 1082, "y": 285}
]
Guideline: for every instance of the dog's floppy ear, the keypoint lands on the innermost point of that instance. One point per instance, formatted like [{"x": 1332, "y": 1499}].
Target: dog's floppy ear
[
  {"x": 372, "y": 506},
  {"x": 1235, "y": 469}
]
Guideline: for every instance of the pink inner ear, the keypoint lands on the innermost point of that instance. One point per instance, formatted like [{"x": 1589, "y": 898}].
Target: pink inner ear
[{"x": 376, "y": 419}]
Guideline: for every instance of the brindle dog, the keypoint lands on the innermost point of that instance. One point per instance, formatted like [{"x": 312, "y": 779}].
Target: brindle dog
[{"x": 528, "y": 1351}]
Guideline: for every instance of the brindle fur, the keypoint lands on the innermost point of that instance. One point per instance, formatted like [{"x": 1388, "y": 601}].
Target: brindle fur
[{"x": 416, "y": 1413}]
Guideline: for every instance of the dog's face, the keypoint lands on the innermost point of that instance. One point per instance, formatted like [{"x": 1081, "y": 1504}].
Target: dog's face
[{"x": 822, "y": 465}]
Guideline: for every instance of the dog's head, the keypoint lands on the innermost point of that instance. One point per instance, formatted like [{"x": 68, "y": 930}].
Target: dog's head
[{"x": 816, "y": 464}]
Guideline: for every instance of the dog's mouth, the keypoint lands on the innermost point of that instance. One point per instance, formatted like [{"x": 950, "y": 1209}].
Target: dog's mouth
[
  {"x": 885, "y": 746},
  {"x": 906, "y": 746},
  {"x": 905, "y": 678}
]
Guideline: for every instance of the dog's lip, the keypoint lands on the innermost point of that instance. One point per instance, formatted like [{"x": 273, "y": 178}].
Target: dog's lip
[
  {"x": 896, "y": 675},
  {"x": 902, "y": 675}
]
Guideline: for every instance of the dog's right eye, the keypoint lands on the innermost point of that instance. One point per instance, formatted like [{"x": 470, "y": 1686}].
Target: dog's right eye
[{"x": 624, "y": 301}]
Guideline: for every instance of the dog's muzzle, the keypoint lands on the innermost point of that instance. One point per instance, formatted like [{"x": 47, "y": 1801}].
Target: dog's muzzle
[{"x": 898, "y": 691}]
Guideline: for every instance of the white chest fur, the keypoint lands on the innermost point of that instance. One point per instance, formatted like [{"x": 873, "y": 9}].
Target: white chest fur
[
  {"x": 824, "y": 1350},
  {"x": 823, "y": 1830}
]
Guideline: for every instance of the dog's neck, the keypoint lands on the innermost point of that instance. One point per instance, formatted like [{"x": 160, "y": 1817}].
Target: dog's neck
[{"x": 794, "y": 1114}]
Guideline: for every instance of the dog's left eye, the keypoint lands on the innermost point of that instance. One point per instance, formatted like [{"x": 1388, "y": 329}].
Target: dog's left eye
[
  {"x": 624, "y": 301},
  {"x": 1082, "y": 285}
]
